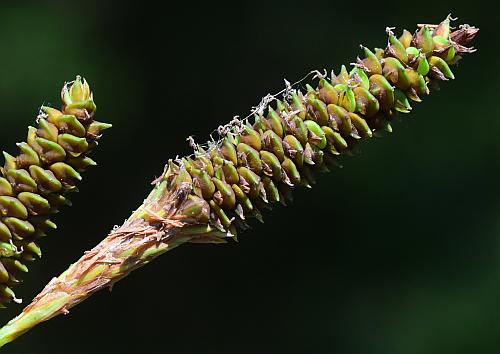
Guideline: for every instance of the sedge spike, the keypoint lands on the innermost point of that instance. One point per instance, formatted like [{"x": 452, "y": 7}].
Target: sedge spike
[
  {"x": 209, "y": 196},
  {"x": 35, "y": 184}
]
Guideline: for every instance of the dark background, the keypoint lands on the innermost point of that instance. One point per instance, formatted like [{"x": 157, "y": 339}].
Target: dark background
[{"x": 399, "y": 252}]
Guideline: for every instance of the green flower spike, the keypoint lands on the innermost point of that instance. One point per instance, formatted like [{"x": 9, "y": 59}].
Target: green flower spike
[
  {"x": 35, "y": 183},
  {"x": 208, "y": 197}
]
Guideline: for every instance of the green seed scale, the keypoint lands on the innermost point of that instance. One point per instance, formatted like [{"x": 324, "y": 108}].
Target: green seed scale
[
  {"x": 258, "y": 164},
  {"x": 34, "y": 184}
]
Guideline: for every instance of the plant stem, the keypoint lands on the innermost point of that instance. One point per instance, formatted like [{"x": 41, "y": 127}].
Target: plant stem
[{"x": 134, "y": 244}]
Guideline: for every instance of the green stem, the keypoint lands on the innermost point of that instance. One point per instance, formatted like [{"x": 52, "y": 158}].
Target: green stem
[{"x": 145, "y": 236}]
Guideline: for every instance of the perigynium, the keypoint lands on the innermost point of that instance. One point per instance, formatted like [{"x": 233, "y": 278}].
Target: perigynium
[
  {"x": 36, "y": 182},
  {"x": 209, "y": 196}
]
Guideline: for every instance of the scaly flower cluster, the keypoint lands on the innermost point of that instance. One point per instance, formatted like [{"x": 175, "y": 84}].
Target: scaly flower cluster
[
  {"x": 34, "y": 184},
  {"x": 259, "y": 163}
]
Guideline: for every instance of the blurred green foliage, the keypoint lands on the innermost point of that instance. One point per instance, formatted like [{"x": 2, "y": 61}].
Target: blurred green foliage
[{"x": 400, "y": 252}]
